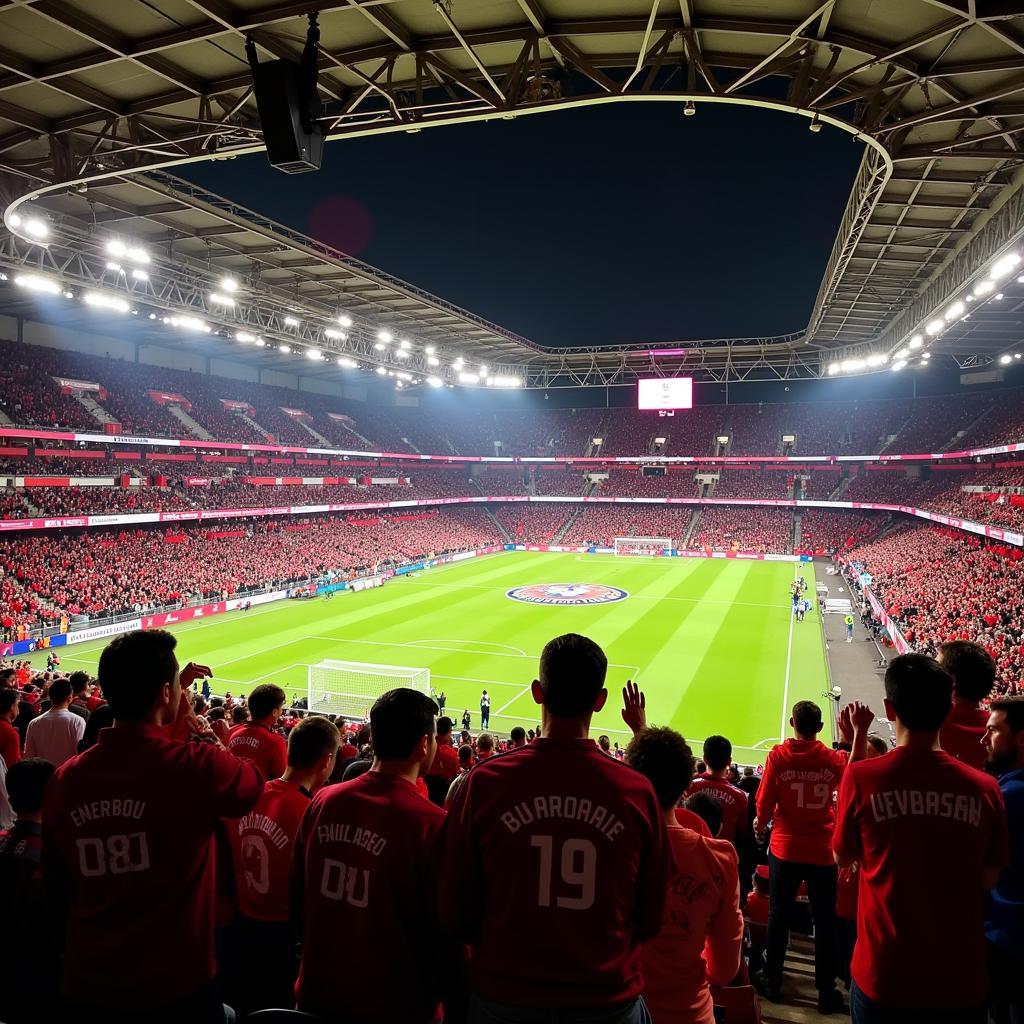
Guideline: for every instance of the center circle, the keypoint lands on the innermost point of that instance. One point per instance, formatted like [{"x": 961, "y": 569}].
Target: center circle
[{"x": 566, "y": 594}]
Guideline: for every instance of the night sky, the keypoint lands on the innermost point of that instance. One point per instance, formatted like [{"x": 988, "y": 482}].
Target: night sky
[{"x": 604, "y": 225}]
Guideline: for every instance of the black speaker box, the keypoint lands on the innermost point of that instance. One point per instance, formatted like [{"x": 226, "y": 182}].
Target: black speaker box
[{"x": 290, "y": 147}]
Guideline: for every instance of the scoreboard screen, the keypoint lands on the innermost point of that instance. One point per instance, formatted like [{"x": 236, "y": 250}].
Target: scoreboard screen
[{"x": 665, "y": 393}]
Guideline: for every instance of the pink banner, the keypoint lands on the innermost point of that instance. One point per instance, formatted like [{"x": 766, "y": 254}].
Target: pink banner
[{"x": 898, "y": 640}]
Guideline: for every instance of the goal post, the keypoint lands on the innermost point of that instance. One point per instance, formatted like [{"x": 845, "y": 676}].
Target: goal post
[
  {"x": 653, "y": 546},
  {"x": 349, "y": 688}
]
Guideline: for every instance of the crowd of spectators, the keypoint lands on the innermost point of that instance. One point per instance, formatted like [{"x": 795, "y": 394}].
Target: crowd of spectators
[
  {"x": 754, "y": 483},
  {"x": 632, "y": 483},
  {"x": 940, "y": 584},
  {"x": 826, "y": 531},
  {"x": 725, "y": 528},
  {"x": 99, "y": 573},
  {"x": 601, "y": 524}
]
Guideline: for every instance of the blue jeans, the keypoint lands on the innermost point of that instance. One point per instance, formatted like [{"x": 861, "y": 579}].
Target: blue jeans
[
  {"x": 866, "y": 1011},
  {"x": 483, "y": 1011}
]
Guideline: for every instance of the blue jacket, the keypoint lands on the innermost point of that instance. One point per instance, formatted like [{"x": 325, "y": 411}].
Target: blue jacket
[{"x": 1004, "y": 922}]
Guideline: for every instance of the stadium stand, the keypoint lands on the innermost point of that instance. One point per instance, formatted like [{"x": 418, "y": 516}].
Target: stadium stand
[{"x": 744, "y": 529}]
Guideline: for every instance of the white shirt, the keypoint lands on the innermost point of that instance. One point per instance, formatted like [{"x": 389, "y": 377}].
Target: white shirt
[{"x": 54, "y": 736}]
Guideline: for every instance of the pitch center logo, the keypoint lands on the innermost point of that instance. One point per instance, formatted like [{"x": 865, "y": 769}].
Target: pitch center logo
[{"x": 567, "y": 594}]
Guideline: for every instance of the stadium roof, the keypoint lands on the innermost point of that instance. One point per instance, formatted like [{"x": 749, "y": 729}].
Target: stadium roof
[{"x": 97, "y": 94}]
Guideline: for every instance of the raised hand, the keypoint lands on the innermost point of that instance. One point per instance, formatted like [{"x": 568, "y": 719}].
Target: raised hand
[
  {"x": 191, "y": 672},
  {"x": 634, "y": 707},
  {"x": 863, "y": 717}
]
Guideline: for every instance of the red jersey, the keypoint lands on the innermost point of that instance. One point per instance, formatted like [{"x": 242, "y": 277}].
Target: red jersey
[
  {"x": 701, "y": 936},
  {"x": 10, "y": 743},
  {"x": 962, "y": 732},
  {"x": 694, "y": 822},
  {"x": 924, "y": 828},
  {"x": 128, "y": 833},
  {"x": 554, "y": 862},
  {"x": 445, "y": 763},
  {"x": 362, "y": 868},
  {"x": 735, "y": 820},
  {"x": 796, "y": 791},
  {"x": 261, "y": 850},
  {"x": 256, "y": 743}
]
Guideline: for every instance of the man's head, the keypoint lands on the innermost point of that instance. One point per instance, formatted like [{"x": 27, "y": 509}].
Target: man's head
[
  {"x": 485, "y": 744},
  {"x": 444, "y": 727},
  {"x": 518, "y": 736},
  {"x": 665, "y": 758},
  {"x": 26, "y": 783},
  {"x": 266, "y": 702},
  {"x": 973, "y": 669},
  {"x": 717, "y": 753},
  {"x": 806, "y": 720},
  {"x": 9, "y": 701},
  {"x": 877, "y": 746},
  {"x": 708, "y": 808},
  {"x": 1004, "y": 735},
  {"x": 465, "y": 755},
  {"x": 605, "y": 744},
  {"x": 139, "y": 675},
  {"x": 312, "y": 747},
  {"x": 402, "y": 723},
  {"x": 79, "y": 683},
  {"x": 918, "y": 692},
  {"x": 239, "y": 715},
  {"x": 59, "y": 693},
  {"x": 7, "y": 678},
  {"x": 572, "y": 674}
]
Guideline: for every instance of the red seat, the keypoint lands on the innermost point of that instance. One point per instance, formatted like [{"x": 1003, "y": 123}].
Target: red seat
[{"x": 736, "y": 1004}]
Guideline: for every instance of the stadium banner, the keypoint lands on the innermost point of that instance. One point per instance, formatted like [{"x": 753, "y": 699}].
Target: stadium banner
[
  {"x": 898, "y": 640},
  {"x": 81, "y": 636},
  {"x": 62, "y": 435}
]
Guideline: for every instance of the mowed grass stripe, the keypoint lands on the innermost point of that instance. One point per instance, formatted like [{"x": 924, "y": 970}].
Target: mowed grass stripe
[{"x": 709, "y": 637}]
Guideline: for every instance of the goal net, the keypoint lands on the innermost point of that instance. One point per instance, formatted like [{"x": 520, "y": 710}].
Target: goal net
[
  {"x": 642, "y": 545},
  {"x": 349, "y": 688}
]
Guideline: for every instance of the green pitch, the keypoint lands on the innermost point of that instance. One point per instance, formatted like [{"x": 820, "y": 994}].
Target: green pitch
[{"x": 711, "y": 642}]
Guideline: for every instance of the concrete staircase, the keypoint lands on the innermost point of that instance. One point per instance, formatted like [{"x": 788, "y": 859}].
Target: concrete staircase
[
  {"x": 690, "y": 527},
  {"x": 502, "y": 532},
  {"x": 255, "y": 426},
  {"x": 841, "y": 489},
  {"x": 564, "y": 528},
  {"x": 95, "y": 410},
  {"x": 5, "y": 420},
  {"x": 194, "y": 427},
  {"x": 314, "y": 433},
  {"x": 798, "y": 520}
]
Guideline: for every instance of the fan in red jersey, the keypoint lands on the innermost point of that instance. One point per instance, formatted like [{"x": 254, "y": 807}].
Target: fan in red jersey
[
  {"x": 796, "y": 793},
  {"x": 254, "y": 740},
  {"x": 262, "y": 943},
  {"x": 554, "y": 861},
  {"x": 974, "y": 674},
  {"x": 702, "y": 928},
  {"x": 128, "y": 830},
  {"x": 911, "y": 818},
  {"x": 361, "y": 869}
]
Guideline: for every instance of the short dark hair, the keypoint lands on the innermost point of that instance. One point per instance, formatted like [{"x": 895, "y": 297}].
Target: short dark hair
[
  {"x": 807, "y": 718},
  {"x": 485, "y": 741},
  {"x": 79, "y": 681},
  {"x": 398, "y": 719},
  {"x": 665, "y": 758},
  {"x": 1013, "y": 708},
  {"x": 6, "y": 676},
  {"x": 59, "y": 691},
  {"x": 8, "y": 698},
  {"x": 518, "y": 734},
  {"x": 26, "y": 783},
  {"x": 264, "y": 699},
  {"x": 920, "y": 691},
  {"x": 717, "y": 753},
  {"x": 133, "y": 669},
  {"x": 216, "y": 714},
  {"x": 973, "y": 669},
  {"x": 358, "y": 767},
  {"x": 239, "y": 714},
  {"x": 572, "y": 674},
  {"x": 444, "y": 726},
  {"x": 604, "y": 743},
  {"x": 879, "y": 744},
  {"x": 708, "y": 808},
  {"x": 310, "y": 741},
  {"x": 465, "y": 754}
]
